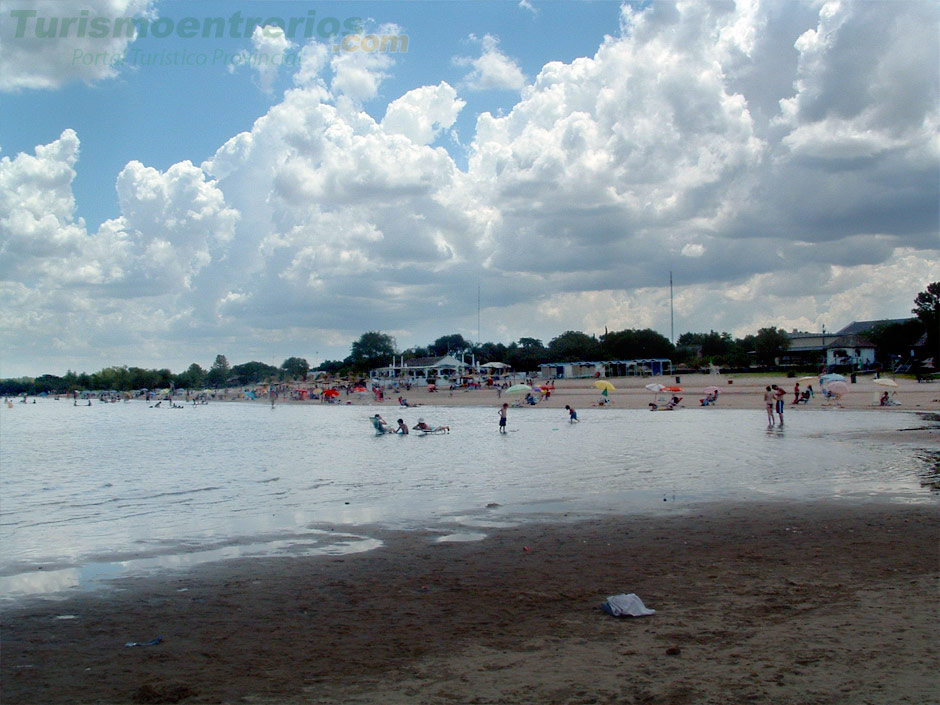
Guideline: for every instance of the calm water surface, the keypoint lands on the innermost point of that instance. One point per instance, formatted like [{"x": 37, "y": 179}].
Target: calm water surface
[{"x": 90, "y": 492}]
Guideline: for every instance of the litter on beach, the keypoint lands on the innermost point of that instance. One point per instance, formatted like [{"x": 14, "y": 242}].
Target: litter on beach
[
  {"x": 626, "y": 605},
  {"x": 152, "y": 642}
]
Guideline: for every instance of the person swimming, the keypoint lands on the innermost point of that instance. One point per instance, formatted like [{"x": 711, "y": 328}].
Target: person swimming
[{"x": 402, "y": 427}]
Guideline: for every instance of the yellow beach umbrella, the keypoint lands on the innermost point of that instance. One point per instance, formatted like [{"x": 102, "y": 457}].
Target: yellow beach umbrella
[{"x": 604, "y": 385}]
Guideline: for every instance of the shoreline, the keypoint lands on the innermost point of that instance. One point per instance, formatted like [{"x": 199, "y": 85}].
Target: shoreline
[
  {"x": 737, "y": 392},
  {"x": 765, "y": 602}
]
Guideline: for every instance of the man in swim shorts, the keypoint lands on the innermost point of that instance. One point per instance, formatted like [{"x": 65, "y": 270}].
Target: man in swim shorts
[{"x": 502, "y": 418}]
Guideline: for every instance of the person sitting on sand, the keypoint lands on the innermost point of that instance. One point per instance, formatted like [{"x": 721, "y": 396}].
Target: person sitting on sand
[{"x": 402, "y": 428}]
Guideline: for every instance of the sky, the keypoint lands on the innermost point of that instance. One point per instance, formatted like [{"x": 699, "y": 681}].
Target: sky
[{"x": 272, "y": 179}]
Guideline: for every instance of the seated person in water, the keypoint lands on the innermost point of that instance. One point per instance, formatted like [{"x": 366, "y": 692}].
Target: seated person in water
[
  {"x": 422, "y": 425},
  {"x": 381, "y": 425},
  {"x": 402, "y": 428}
]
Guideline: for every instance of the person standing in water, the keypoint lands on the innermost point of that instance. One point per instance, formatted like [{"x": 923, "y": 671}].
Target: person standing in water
[
  {"x": 779, "y": 394},
  {"x": 502, "y": 417},
  {"x": 572, "y": 414},
  {"x": 769, "y": 399}
]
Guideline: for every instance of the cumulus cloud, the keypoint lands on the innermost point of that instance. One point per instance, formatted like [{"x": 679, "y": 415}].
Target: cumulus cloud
[
  {"x": 492, "y": 70},
  {"x": 422, "y": 113},
  {"x": 803, "y": 199},
  {"x": 45, "y": 44},
  {"x": 271, "y": 47}
]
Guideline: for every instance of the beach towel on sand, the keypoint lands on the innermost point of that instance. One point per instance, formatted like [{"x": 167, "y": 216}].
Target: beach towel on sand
[{"x": 626, "y": 606}]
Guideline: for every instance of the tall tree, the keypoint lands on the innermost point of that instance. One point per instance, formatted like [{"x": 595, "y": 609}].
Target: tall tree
[
  {"x": 219, "y": 372},
  {"x": 455, "y": 344},
  {"x": 373, "y": 349},
  {"x": 770, "y": 344},
  {"x": 636, "y": 344},
  {"x": 254, "y": 372},
  {"x": 573, "y": 345},
  {"x": 927, "y": 309},
  {"x": 296, "y": 367},
  {"x": 193, "y": 378}
]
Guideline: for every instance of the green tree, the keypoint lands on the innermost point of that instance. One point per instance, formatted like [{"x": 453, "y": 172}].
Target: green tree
[
  {"x": 490, "y": 352},
  {"x": 416, "y": 351},
  {"x": 254, "y": 372},
  {"x": 193, "y": 378},
  {"x": 331, "y": 366},
  {"x": 927, "y": 310},
  {"x": 373, "y": 349},
  {"x": 296, "y": 367},
  {"x": 573, "y": 345},
  {"x": 635, "y": 344},
  {"x": 219, "y": 372},
  {"x": 48, "y": 384},
  {"x": 454, "y": 344},
  {"x": 770, "y": 344},
  {"x": 526, "y": 355},
  {"x": 706, "y": 347}
]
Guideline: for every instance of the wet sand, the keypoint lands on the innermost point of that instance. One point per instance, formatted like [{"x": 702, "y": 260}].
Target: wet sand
[{"x": 775, "y": 603}]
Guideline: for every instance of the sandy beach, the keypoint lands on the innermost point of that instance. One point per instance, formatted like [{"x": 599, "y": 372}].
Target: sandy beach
[
  {"x": 764, "y": 602},
  {"x": 737, "y": 392},
  {"x": 778, "y": 603}
]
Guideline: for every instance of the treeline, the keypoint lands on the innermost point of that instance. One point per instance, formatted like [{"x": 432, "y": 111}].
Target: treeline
[
  {"x": 376, "y": 349},
  {"x": 128, "y": 379}
]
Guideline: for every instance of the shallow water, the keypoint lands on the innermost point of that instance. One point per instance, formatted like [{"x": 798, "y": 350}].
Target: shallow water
[{"x": 90, "y": 492}]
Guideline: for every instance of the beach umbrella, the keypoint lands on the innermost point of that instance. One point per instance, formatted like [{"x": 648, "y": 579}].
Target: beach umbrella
[
  {"x": 655, "y": 387},
  {"x": 885, "y": 382},
  {"x": 831, "y": 377},
  {"x": 519, "y": 389},
  {"x": 807, "y": 379},
  {"x": 672, "y": 388},
  {"x": 331, "y": 393},
  {"x": 711, "y": 390},
  {"x": 604, "y": 385},
  {"x": 837, "y": 388}
]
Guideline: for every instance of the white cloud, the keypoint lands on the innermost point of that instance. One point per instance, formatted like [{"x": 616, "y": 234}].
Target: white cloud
[
  {"x": 492, "y": 70},
  {"x": 422, "y": 113},
  {"x": 526, "y": 5},
  {"x": 271, "y": 49},
  {"x": 34, "y": 54}
]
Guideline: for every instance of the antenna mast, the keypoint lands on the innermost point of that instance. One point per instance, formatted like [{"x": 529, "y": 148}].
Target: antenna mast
[
  {"x": 672, "y": 328},
  {"x": 478, "y": 315}
]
